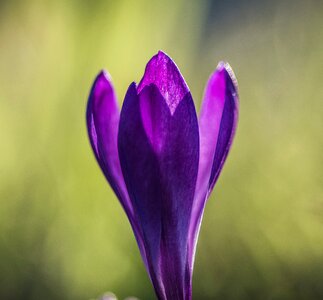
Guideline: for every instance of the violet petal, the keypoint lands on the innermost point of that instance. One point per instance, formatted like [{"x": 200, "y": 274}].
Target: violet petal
[
  {"x": 102, "y": 122},
  {"x": 217, "y": 125},
  {"x": 159, "y": 158},
  {"x": 163, "y": 72}
]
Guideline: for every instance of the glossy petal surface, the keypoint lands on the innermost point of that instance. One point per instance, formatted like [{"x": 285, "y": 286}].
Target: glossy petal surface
[
  {"x": 159, "y": 157},
  {"x": 103, "y": 121},
  {"x": 163, "y": 72},
  {"x": 217, "y": 124}
]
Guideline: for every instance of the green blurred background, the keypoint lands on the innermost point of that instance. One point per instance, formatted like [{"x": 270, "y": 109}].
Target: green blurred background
[{"x": 63, "y": 234}]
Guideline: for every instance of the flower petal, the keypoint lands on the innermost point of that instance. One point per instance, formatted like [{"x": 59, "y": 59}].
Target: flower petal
[
  {"x": 159, "y": 158},
  {"x": 217, "y": 124},
  {"x": 222, "y": 89},
  {"x": 102, "y": 121},
  {"x": 163, "y": 72}
]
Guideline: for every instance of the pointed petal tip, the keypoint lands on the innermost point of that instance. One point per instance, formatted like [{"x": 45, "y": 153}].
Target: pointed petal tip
[
  {"x": 224, "y": 66},
  {"x": 102, "y": 83},
  {"x": 158, "y": 65},
  {"x": 104, "y": 75},
  {"x": 162, "y": 71},
  {"x": 132, "y": 88},
  {"x": 101, "y": 95},
  {"x": 162, "y": 54}
]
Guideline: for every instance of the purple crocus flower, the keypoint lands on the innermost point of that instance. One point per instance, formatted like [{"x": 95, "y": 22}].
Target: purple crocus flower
[{"x": 162, "y": 161}]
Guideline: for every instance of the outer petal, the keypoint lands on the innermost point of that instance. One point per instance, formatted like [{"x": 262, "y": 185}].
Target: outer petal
[
  {"x": 217, "y": 124},
  {"x": 102, "y": 122},
  {"x": 163, "y": 72},
  {"x": 159, "y": 154}
]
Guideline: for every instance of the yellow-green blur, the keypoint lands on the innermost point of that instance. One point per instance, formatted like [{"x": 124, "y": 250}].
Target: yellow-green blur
[{"x": 63, "y": 234}]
